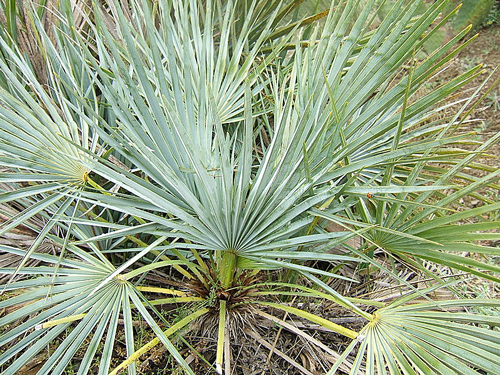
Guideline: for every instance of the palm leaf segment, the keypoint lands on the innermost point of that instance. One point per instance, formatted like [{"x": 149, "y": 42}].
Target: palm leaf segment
[
  {"x": 197, "y": 152},
  {"x": 46, "y": 136},
  {"x": 58, "y": 300},
  {"x": 425, "y": 338}
]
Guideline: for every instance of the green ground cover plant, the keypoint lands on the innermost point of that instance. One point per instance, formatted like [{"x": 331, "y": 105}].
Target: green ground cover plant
[{"x": 237, "y": 150}]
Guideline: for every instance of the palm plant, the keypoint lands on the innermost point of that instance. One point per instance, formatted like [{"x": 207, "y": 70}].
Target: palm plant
[{"x": 216, "y": 143}]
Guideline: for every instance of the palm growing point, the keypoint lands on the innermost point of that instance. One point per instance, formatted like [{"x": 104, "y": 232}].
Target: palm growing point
[{"x": 225, "y": 155}]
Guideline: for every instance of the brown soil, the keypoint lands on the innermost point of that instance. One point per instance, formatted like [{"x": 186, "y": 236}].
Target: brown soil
[{"x": 485, "y": 50}]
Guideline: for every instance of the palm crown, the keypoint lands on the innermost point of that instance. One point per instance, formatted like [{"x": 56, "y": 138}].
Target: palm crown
[{"x": 220, "y": 140}]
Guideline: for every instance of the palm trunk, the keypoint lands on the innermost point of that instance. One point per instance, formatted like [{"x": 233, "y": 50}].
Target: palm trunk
[{"x": 227, "y": 267}]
